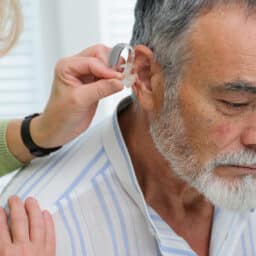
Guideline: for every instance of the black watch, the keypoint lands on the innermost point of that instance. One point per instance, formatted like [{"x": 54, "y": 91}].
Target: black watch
[{"x": 28, "y": 141}]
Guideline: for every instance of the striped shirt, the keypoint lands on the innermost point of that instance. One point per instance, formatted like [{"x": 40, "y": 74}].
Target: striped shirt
[{"x": 98, "y": 208}]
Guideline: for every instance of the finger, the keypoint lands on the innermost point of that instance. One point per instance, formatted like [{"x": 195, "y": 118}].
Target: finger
[
  {"x": 101, "y": 89},
  {"x": 50, "y": 233},
  {"x": 100, "y": 52},
  {"x": 18, "y": 220},
  {"x": 89, "y": 79},
  {"x": 77, "y": 67},
  {"x": 36, "y": 221},
  {"x": 5, "y": 236}
]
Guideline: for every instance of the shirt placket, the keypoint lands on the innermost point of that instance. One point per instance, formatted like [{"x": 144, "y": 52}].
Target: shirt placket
[
  {"x": 168, "y": 242},
  {"x": 226, "y": 231}
]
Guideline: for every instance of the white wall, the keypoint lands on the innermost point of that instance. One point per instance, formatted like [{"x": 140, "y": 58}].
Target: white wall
[
  {"x": 79, "y": 25},
  {"x": 50, "y": 41},
  {"x": 67, "y": 28}
]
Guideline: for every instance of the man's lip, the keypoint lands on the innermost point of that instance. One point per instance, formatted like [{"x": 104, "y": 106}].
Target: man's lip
[
  {"x": 253, "y": 167},
  {"x": 236, "y": 170},
  {"x": 245, "y": 170}
]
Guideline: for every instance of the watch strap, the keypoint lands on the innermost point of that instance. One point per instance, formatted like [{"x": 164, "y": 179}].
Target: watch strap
[{"x": 34, "y": 149}]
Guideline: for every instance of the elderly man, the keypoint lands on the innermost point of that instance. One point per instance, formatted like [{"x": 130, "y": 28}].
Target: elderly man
[{"x": 173, "y": 171}]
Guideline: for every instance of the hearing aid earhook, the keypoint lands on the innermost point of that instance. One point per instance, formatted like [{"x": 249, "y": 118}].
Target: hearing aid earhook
[{"x": 129, "y": 78}]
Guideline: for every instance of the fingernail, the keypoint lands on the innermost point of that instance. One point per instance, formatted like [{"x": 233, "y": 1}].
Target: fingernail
[
  {"x": 13, "y": 198},
  {"x": 119, "y": 75},
  {"x": 46, "y": 215},
  {"x": 31, "y": 199},
  {"x": 115, "y": 81}
]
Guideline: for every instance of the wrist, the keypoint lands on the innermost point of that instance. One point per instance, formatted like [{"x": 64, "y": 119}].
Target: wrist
[
  {"x": 34, "y": 148},
  {"x": 42, "y": 134}
]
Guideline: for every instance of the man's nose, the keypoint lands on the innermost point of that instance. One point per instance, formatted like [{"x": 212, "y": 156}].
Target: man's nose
[{"x": 248, "y": 138}]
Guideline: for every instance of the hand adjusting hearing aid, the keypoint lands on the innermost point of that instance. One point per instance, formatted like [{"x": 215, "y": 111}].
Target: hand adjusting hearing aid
[{"x": 129, "y": 78}]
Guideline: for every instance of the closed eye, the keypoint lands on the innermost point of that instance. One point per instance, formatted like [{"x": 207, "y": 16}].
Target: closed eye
[{"x": 234, "y": 104}]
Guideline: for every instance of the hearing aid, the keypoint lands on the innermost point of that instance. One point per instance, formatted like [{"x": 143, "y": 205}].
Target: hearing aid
[{"x": 129, "y": 78}]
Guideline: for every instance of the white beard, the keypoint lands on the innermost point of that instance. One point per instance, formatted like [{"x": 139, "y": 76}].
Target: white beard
[{"x": 238, "y": 194}]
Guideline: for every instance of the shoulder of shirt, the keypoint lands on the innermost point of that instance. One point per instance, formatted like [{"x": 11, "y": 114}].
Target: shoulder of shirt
[{"x": 71, "y": 168}]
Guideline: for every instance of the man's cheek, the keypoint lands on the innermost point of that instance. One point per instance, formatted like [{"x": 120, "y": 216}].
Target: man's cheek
[
  {"x": 224, "y": 136},
  {"x": 222, "y": 131}
]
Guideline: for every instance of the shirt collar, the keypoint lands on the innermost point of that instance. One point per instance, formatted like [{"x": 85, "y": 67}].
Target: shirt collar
[{"x": 118, "y": 155}]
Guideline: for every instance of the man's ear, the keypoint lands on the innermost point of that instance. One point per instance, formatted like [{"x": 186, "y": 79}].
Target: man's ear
[{"x": 145, "y": 68}]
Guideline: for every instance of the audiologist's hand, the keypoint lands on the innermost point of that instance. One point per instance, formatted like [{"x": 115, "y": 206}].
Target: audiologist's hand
[
  {"x": 80, "y": 82},
  {"x": 31, "y": 231}
]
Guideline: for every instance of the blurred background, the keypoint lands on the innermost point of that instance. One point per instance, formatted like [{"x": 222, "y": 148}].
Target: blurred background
[{"x": 54, "y": 29}]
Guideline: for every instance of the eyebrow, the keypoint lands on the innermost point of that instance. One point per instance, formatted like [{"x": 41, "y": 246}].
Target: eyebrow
[{"x": 238, "y": 86}]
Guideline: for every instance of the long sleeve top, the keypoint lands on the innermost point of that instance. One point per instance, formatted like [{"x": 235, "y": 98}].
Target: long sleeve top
[{"x": 8, "y": 162}]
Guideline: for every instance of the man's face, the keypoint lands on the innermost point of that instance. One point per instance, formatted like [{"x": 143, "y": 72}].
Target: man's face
[{"x": 211, "y": 136}]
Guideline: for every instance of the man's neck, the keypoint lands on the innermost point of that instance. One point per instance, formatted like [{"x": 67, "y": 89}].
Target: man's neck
[
  {"x": 156, "y": 178},
  {"x": 176, "y": 202}
]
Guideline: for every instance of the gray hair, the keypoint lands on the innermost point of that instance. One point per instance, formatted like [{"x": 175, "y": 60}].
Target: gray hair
[{"x": 163, "y": 26}]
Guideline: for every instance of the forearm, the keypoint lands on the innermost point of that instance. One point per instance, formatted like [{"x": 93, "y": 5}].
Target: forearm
[
  {"x": 15, "y": 143},
  {"x": 8, "y": 162}
]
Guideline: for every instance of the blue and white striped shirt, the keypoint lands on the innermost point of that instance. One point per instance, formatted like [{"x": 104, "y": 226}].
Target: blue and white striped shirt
[{"x": 91, "y": 189}]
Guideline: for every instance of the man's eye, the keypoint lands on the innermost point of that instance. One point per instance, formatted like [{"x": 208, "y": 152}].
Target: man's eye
[{"x": 234, "y": 104}]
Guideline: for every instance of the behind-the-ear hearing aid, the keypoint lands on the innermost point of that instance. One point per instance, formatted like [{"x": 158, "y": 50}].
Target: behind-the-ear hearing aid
[{"x": 129, "y": 78}]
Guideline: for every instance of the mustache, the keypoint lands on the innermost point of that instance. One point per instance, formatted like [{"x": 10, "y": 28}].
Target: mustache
[{"x": 243, "y": 158}]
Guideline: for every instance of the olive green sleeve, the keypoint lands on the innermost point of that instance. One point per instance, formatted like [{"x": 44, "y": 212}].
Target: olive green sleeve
[{"x": 8, "y": 162}]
